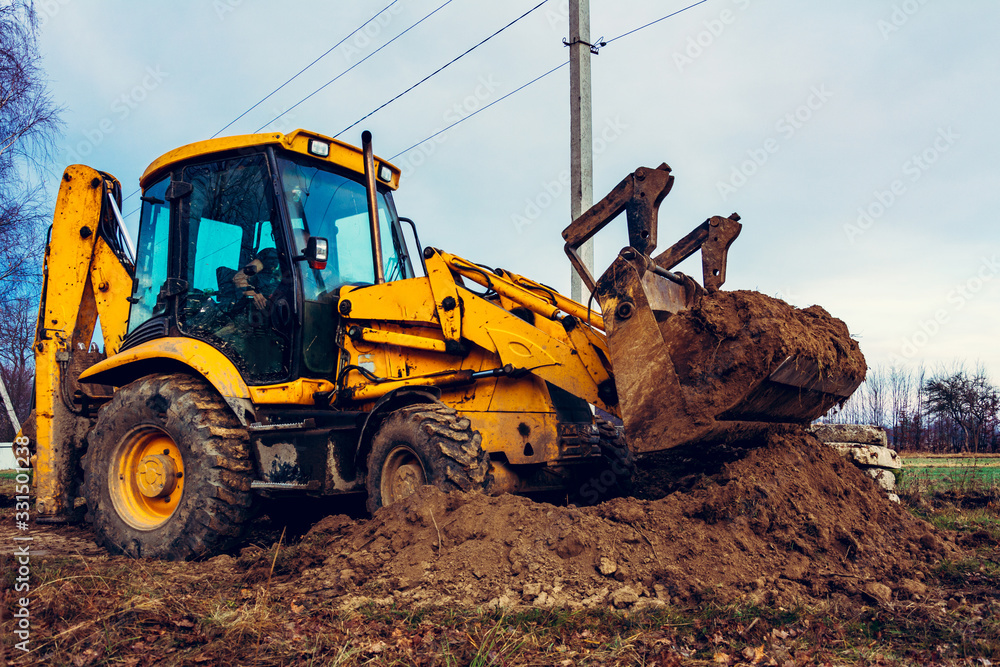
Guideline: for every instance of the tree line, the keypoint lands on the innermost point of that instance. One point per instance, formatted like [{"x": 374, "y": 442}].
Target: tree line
[
  {"x": 950, "y": 410},
  {"x": 29, "y": 127}
]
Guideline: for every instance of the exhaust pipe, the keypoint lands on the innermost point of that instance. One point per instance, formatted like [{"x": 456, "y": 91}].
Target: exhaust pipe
[{"x": 366, "y": 147}]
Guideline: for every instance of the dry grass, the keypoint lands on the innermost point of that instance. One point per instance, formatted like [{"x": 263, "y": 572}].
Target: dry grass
[{"x": 144, "y": 614}]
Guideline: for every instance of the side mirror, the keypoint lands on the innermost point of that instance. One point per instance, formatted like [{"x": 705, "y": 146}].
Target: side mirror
[{"x": 316, "y": 253}]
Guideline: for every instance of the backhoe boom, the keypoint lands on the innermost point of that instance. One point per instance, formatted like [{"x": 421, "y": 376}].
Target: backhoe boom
[{"x": 87, "y": 276}]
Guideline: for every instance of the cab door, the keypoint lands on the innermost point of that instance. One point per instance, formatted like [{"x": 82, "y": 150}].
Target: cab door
[{"x": 238, "y": 274}]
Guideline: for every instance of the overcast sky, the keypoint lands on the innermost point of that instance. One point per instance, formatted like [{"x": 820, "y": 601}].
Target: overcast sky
[{"x": 858, "y": 140}]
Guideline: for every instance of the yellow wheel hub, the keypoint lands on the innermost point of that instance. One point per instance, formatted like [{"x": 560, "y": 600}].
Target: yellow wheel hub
[
  {"x": 402, "y": 475},
  {"x": 156, "y": 476},
  {"x": 146, "y": 478}
]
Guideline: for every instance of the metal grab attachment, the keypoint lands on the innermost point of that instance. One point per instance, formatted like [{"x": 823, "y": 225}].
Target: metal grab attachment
[
  {"x": 639, "y": 195},
  {"x": 713, "y": 237}
]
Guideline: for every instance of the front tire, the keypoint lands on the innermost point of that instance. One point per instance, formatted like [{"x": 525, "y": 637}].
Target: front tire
[
  {"x": 612, "y": 474},
  {"x": 167, "y": 471},
  {"x": 423, "y": 444}
]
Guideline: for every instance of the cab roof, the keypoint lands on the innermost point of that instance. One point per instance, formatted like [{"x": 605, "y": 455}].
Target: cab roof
[{"x": 341, "y": 154}]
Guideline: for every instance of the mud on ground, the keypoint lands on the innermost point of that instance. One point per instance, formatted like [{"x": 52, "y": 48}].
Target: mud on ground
[
  {"x": 781, "y": 526},
  {"x": 788, "y": 522}
]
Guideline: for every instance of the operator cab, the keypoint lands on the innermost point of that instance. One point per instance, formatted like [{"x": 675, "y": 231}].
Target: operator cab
[{"x": 231, "y": 237}]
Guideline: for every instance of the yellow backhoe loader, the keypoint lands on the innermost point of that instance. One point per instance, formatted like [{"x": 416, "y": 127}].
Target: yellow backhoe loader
[{"x": 270, "y": 335}]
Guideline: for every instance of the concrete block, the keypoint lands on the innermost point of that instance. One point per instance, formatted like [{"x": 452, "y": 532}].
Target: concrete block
[
  {"x": 884, "y": 478},
  {"x": 869, "y": 456},
  {"x": 858, "y": 433}
]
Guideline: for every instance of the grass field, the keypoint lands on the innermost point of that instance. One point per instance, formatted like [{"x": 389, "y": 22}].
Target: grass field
[{"x": 949, "y": 472}]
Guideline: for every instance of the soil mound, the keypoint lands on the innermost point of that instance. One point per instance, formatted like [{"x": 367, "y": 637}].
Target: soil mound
[
  {"x": 732, "y": 357},
  {"x": 730, "y": 341},
  {"x": 783, "y": 522}
]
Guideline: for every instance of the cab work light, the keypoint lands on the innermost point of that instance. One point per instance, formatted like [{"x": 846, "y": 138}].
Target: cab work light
[
  {"x": 319, "y": 148},
  {"x": 384, "y": 173}
]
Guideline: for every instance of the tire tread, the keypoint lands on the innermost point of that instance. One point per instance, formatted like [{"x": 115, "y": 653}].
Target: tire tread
[{"x": 219, "y": 442}]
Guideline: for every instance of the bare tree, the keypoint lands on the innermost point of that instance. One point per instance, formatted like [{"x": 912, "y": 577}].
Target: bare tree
[
  {"x": 970, "y": 401},
  {"x": 17, "y": 333},
  {"x": 876, "y": 390},
  {"x": 899, "y": 404},
  {"x": 847, "y": 413},
  {"x": 915, "y": 425},
  {"x": 29, "y": 123},
  {"x": 953, "y": 410}
]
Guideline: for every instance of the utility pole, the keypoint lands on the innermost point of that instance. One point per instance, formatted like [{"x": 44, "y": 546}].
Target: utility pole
[{"x": 581, "y": 131}]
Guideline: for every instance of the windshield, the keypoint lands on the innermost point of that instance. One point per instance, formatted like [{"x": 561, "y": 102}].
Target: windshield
[{"x": 325, "y": 204}]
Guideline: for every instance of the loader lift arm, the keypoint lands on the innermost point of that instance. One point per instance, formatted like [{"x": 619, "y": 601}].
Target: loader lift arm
[{"x": 564, "y": 345}]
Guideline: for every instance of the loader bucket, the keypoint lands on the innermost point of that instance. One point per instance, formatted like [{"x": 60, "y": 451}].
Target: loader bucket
[{"x": 691, "y": 365}]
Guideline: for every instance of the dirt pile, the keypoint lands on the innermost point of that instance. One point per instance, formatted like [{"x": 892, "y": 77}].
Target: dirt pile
[
  {"x": 730, "y": 341},
  {"x": 782, "y": 522}
]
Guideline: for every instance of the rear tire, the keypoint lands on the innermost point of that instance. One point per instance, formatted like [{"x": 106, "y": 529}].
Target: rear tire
[
  {"x": 423, "y": 444},
  {"x": 167, "y": 472}
]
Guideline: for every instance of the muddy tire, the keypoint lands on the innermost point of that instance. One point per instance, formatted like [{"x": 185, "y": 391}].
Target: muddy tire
[
  {"x": 167, "y": 472},
  {"x": 423, "y": 444},
  {"x": 612, "y": 475}
]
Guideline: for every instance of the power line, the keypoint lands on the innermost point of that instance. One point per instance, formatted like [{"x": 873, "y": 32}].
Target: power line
[
  {"x": 465, "y": 118},
  {"x": 537, "y": 78},
  {"x": 297, "y": 74},
  {"x": 446, "y": 3},
  {"x": 451, "y": 62},
  {"x": 461, "y": 120},
  {"x": 654, "y": 22}
]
